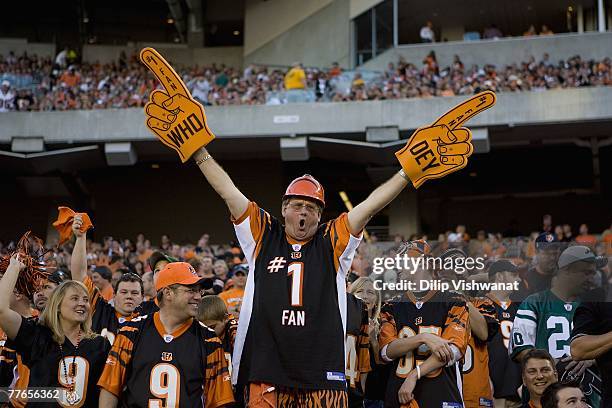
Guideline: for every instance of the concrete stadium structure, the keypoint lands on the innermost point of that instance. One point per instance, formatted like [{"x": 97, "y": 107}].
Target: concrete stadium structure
[{"x": 537, "y": 152}]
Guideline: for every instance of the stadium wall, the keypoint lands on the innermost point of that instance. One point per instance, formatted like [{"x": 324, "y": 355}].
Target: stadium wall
[
  {"x": 359, "y": 6},
  {"x": 21, "y": 45},
  {"x": 513, "y": 109},
  {"x": 175, "y": 53},
  {"x": 501, "y": 52},
  {"x": 316, "y": 36},
  {"x": 265, "y": 20}
]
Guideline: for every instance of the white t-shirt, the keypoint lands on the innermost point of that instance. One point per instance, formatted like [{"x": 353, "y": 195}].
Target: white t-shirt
[
  {"x": 427, "y": 34},
  {"x": 60, "y": 59},
  {"x": 7, "y": 101},
  {"x": 200, "y": 90}
]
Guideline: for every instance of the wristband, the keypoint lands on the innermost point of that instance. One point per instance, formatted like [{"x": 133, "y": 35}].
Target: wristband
[
  {"x": 203, "y": 159},
  {"x": 404, "y": 176},
  {"x": 418, "y": 370}
]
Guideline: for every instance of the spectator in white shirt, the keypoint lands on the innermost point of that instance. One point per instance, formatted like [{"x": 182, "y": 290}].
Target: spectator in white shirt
[
  {"x": 61, "y": 58},
  {"x": 7, "y": 97},
  {"x": 427, "y": 33},
  {"x": 200, "y": 87}
]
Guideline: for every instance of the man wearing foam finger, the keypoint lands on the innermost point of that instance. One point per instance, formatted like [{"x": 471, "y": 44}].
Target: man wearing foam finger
[{"x": 289, "y": 349}]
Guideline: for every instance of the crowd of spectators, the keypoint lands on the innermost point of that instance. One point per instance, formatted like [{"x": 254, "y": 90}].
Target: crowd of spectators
[
  {"x": 520, "y": 250},
  {"x": 220, "y": 262},
  {"x": 32, "y": 83},
  {"x": 408, "y": 80}
]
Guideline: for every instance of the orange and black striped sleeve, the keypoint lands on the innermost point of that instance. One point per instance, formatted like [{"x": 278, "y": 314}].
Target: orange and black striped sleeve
[
  {"x": 259, "y": 220},
  {"x": 94, "y": 294},
  {"x": 339, "y": 234},
  {"x": 456, "y": 326},
  {"x": 363, "y": 342},
  {"x": 487, "y": 309},
  {"x": 388, "y": 328},
  {"x": 217, "y": 383},
  {"x": 115, "y": 369}
]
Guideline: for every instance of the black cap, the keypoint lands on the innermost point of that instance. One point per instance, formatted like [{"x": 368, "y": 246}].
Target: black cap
[
  {"x": 213, "y": 283},
  {"x": 104, "y": 272},
  {"x": 58, "y": 277},
  {"x": 546, "y": 240},
  {"x": 502, "y": 265},
  {"x": 159, "y": 256}
]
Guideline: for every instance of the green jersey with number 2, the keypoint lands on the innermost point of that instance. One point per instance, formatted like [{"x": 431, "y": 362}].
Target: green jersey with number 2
[{"x": 543, "y": 321}]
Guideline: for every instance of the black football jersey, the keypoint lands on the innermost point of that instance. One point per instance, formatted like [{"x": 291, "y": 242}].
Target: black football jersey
[
  {"x": 505, "y": 373},
  {"x": 147, "y": 307},
  {"x": 292, "y": 325},
  {"x": 357, "y": 348},
  {"x": 104, "y": 318},
  {"x": 48, "y": 366},
  {"x": 444, "y": 314},
  {"x": 186, "y": 368},
  {"x": 8, "y": 358},
  {"x": 595, "y": 319}
]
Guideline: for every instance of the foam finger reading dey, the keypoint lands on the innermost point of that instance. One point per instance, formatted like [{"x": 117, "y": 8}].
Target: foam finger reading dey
[
  {"x": 184, "y": 127},
  {"x": 444, "y": 147}
]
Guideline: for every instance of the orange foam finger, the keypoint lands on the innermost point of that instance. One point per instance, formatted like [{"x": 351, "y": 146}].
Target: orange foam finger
[
  {"x": 467, "y": 110},
  {"x": 165, "y": 74}
]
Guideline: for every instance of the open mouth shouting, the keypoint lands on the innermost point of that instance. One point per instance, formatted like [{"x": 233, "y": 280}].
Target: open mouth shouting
[{"x": 41, "y": 301}]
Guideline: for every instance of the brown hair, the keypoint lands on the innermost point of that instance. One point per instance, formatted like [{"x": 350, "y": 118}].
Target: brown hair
[
  {"x": 538, "y": 354},
  {"x": 212, "y": 307},
  {"x": 129, "y": 277}
]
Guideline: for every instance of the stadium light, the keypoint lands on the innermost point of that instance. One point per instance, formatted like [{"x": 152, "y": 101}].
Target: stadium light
[
  {"x": 27, "y": 144},
  {"x": 294, "y": 148},
  {"x": 382, "y": 134},
  {"x": 120, "y": 154}
]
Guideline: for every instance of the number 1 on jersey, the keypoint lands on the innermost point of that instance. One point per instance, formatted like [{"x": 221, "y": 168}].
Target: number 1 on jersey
[{"x": 296, "y": 271}]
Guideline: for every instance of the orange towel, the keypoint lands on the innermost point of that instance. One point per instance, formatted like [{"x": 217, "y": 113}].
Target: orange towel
[{"x": 63, "y": 224}]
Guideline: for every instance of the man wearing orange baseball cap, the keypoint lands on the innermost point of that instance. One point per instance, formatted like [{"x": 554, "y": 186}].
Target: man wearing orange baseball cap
[
  {"x": 178, "y": 353},
  {"x": 176, "y": 273}
]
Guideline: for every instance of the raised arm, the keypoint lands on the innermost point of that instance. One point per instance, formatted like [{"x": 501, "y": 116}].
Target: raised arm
[
  {"x": 78, "y": 262},
  {"x": 359, "y": 216},
  {"x": 221, "y": 182},
  {"x": 10, "y": 320}
]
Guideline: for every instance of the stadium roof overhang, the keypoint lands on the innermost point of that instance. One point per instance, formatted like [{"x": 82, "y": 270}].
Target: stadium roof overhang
[{"x": 333, "y": 147}]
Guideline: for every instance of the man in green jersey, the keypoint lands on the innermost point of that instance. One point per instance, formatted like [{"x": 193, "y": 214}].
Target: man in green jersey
[{"x": 544, "y": 319}]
